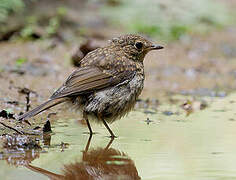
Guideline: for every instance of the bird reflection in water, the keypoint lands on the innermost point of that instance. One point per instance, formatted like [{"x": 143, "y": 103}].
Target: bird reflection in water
[{"x": 98, "y": 164}]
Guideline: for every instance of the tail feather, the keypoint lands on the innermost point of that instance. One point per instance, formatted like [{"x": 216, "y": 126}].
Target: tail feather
[
  {"x": 51, "y": 175},
  {"x": 48, "y": 104}
]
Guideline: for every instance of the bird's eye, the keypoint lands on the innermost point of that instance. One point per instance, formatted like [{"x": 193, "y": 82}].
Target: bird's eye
[{"x": 139, "y": 45}]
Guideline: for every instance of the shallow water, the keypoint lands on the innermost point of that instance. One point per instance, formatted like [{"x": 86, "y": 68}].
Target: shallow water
[{"x": 199, "y": 146}]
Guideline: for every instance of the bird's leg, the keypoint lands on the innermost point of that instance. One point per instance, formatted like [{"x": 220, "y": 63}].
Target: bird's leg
[
  {"x": 88, "y": 124},
  {"x": 88, "y": 143},
  {"x": 106, "y": 125},
  {"x": 109, "y": 144}
]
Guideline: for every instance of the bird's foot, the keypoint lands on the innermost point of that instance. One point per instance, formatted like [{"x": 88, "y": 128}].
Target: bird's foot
[
  {"x": 112, "y": 136},
  {"x": 90, "y": 133}
]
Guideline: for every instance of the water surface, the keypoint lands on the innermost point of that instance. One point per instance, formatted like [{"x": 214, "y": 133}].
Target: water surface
[{"x": 199, "y": 146}]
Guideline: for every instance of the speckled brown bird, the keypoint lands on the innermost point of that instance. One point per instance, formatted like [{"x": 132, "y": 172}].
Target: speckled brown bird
[{"x": 107, "y": 83}]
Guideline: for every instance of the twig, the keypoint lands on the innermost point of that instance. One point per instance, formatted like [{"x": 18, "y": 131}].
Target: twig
[
  {"x": 9, "y": 127},
  {"x": 27, "y": 101}
]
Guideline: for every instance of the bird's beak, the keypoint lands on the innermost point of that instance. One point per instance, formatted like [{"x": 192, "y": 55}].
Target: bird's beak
[{"x": 155, "y": 47}]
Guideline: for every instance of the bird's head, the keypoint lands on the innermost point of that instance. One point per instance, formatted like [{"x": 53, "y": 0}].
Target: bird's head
[{"x": 135, "y": 46}]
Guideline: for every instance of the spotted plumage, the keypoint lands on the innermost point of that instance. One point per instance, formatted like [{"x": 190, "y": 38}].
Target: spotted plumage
[{"x": 107, "y": 83}]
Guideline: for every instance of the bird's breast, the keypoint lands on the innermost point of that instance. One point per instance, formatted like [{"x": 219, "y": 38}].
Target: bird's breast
[{"x": 114, "y": 102}]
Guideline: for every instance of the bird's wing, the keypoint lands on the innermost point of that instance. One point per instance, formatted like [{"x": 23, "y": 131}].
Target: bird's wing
[{"x": 88, "y": 79}]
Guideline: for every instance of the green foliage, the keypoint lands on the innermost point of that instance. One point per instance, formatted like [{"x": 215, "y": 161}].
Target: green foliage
[
  {"x": 55, "y": 21},
  {"x": 20, "y": 61},
  {"x": 176, "y": 31},
  {"x": 28, "y": 29},
  {"x": 54, "y": 24},
  {"x": 151, "y": 29},
  {"x": 26, "y": 32},
  {"x": 51, "y": 28},
  {"x": 9, "y": 6},
  {"x": 62, "y": 11},
  {"x": 168, "y": 19}
]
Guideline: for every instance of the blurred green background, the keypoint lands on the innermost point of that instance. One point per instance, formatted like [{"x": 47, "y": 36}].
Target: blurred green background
[{"x": 168, "y": 20}]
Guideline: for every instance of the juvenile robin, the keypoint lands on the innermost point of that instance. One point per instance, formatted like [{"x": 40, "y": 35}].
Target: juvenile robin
[{"x": 107, "y": 83}]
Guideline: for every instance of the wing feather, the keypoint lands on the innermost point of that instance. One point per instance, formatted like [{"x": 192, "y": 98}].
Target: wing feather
[{"x": 87, "y": 79}]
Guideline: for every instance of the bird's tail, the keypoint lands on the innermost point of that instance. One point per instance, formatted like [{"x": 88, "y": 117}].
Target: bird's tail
[
  {"x": 51, "y": 175},
  {"x": 48, "y": 104}
]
